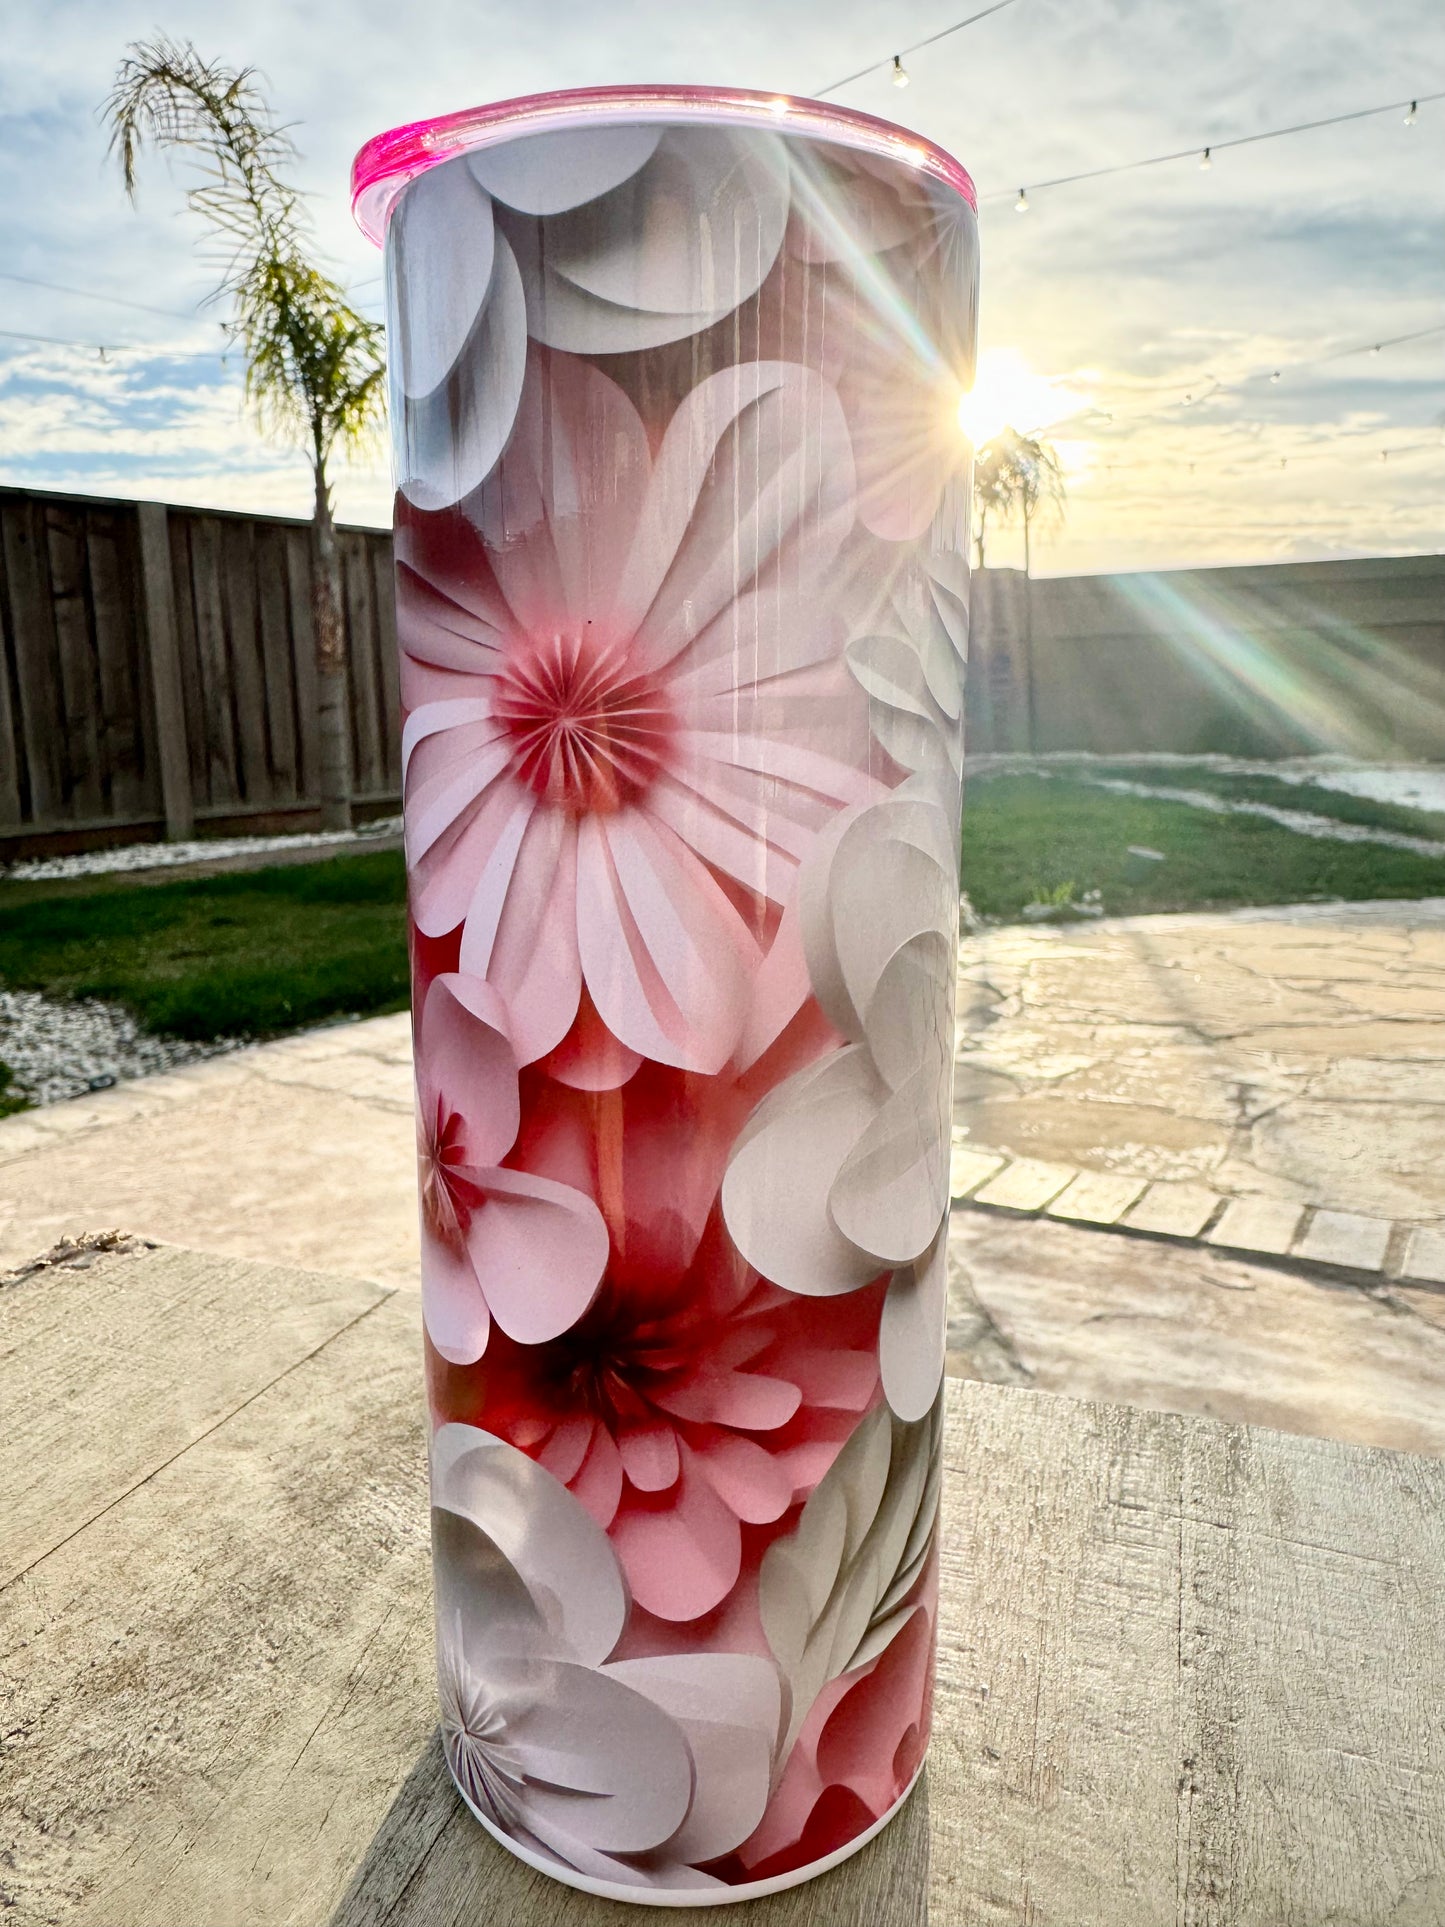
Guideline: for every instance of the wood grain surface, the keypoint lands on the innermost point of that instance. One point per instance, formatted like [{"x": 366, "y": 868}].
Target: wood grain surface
[{"x": 1190, "y": 1674}]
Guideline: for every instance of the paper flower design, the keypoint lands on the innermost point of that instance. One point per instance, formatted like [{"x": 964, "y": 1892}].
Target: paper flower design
[
  {"x": 907, "y": 648},
  {"x": 497, "y": 1243},
  {"x": 833, "y": 1593},
  {"x": 630, "y": 1771},
  {"x": 841, "y": 1173},
  {"x": 628, "y": 713},
  {"x": 859, "y": 1749},
  {"x": 596, "y": 240},
  {"x": 679, "y": 1413},
  {"x": 877, "y": 283}
]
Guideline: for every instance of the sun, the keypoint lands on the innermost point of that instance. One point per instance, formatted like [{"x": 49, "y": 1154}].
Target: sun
[{"x": 1007, "y": 393}]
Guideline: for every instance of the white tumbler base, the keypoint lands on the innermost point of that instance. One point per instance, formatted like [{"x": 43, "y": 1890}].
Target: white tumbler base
[{"x": 685, "y": 1896}]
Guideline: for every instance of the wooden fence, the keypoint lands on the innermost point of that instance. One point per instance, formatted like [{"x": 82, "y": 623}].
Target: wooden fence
[{"x": 157, "y": 672}]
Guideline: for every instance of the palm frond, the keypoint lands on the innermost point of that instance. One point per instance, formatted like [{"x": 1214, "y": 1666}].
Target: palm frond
[
  {"x": 1017, "y": 475},
  {"x": 315, "y": 371}
]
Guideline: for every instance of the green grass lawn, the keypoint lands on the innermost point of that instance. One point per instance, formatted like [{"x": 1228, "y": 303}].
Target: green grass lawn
[
  {"x": 1031, "y": 839},
  {"x": 8, "y": 1100},
  {"x": 1253, "y": 787},
  {"x": 263, "y": 952},
  {"x": 249, "y": 954}
]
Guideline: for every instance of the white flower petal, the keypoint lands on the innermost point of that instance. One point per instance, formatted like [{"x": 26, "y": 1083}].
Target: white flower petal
[
  {"x": 440, "y": 248},
  {"x": 562, "y": 1555},
  {"x": 548, "y": 173},
  {"x": 775, "y": 1193},
  {"x": 692, "y": 232},
  {"x": 450, "y": 439},
  {"x": 562, "y": 316},
  {"x": 604, "y": 1767},
  {"x": 754, "y": 480},
  {"x": 909, "y": 1021},
  {"x": 912, "y": 1340},
  {"x": 825, "y": 1587},
  {"x": 729, "y": 1707},
  {"x": 892, "y": 1188}
]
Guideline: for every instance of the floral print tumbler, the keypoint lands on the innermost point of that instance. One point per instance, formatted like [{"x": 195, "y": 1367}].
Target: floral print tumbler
[{"x": 682, "y": 601}]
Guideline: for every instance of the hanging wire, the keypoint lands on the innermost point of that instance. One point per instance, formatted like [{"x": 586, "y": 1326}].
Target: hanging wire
[
  {"x": 1273, "y": 374},
  {"x": 895, "y": 61},
  {"x": 107, "y": 348},
  {"x": 1218, "y": 147},
  {"x": 94, "y": 294}
]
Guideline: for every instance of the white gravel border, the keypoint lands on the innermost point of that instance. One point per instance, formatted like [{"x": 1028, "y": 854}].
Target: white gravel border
[
  {"x": 59, "y": 1050},
  {"x": 163, "y": 856}
]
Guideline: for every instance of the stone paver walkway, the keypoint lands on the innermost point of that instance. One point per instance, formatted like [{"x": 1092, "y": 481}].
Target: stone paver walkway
[{"x": 1293, "y": 1054}]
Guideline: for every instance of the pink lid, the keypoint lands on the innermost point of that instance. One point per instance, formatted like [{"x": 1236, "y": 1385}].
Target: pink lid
[{"x": 386, "y": 163}]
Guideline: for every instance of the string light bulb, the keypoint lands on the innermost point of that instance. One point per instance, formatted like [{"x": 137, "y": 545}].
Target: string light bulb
[
  {"x": 1410, "y": 117},
  {"x": 900, "y": 72},
  {"x": 1206, "y": 161},
  {"x": 1021, "y": 205},
  {"x": 1275, "y": 375}
]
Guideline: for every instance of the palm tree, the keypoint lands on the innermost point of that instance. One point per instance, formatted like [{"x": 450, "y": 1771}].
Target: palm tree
[
  {"x": 315, "y": 372},
  {"x": 1015, "y": 475}
]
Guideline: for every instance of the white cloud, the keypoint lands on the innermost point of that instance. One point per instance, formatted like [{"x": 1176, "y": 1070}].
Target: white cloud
[{"x": 1133, "y": 291}]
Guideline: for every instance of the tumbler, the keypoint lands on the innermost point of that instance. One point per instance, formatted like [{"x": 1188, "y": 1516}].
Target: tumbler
[{"x": 681, "y": 540}]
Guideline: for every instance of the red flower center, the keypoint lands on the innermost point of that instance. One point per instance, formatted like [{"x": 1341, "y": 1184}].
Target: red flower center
[
  {"x": 589, "y": 730},
  {"x": 610, "y": 1361}
]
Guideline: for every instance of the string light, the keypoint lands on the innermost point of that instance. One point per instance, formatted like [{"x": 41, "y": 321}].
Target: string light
[
  {"x": 1240, "y": 140},
  {"x": 158, "y": 352},
  {"x": 1021, "y": 205},
  {"x": 821, "y": 93},
  {"x": 1413, "y": 109},
  {"x": 900, "y": 72},
  {"x": 1205, "y": 163},
  {"x": 1275, "y": 375}
]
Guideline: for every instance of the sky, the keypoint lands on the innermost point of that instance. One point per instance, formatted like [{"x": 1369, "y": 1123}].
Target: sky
[{"x": 1137, "y": 318}]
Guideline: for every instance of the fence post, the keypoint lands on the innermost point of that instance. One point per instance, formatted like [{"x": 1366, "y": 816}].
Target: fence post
[{"x": 158, "y": 611}]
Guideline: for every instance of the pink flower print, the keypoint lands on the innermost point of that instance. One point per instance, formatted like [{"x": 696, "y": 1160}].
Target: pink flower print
[
  {"x": 678, "y": 1414},
  {"x": 629, "y": 712},
  {"x": 497, "y": 1243}
]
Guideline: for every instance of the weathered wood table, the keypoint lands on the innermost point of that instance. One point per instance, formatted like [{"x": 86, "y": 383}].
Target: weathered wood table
[{"x": 1190, "y": 1673}]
